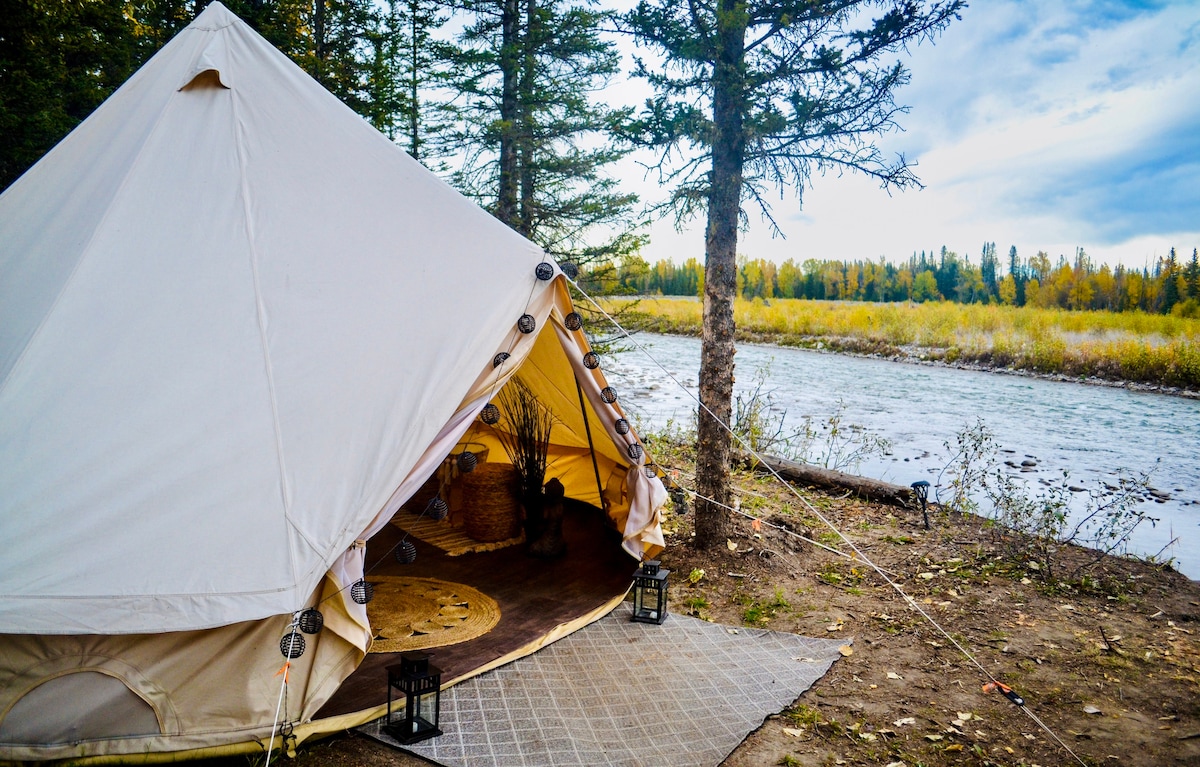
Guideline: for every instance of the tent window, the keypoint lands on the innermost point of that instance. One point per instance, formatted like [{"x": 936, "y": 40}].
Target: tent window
[{"x": 84, "y": 705}]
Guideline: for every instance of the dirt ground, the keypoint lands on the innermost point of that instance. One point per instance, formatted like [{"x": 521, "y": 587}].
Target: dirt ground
[{"x": 1111, "y": 667}]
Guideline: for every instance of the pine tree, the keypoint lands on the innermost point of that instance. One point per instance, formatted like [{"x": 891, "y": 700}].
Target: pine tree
[
  {"x": 754, "y": 94},
  {"x": 536, "y": 143}
]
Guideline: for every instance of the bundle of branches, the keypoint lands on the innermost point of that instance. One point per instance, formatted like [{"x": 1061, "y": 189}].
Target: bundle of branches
[{"x": 527, "y": 442}]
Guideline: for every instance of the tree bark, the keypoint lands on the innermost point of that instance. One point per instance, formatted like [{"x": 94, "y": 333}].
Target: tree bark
[
  {"x": 414, "y": 122},
  {"x": 828, "y": 479},
  {"x": 720, "y": 279},
  {"x": 526, "y": 138},
  {"x": 506, "y": 202}
]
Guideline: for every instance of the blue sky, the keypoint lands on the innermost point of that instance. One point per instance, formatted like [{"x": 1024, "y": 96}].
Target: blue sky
[{"x": 1044, "y": 125}]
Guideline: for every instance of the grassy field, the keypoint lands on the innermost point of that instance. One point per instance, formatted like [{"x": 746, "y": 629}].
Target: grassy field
[{"x": 1131, "y": 346}]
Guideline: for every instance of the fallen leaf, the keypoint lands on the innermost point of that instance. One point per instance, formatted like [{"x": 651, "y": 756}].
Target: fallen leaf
[
  {"x": 925, "y": 576},
  {"x": 955, "y": 747},
  {"x": 732, "y": 546},
  {"x": 846, "y": 650},
  {"x": 933, "y": 738},
  {"x": 793, "y": 732},
  {"x": 732, "y": 631},
  {"x": 805, "y": 659},
  {"x": 870, "y": 737},
  {"x": 904, "y": 721},
  {"x": 894, "y": 764},
  {"x": 893, "y": 675},
  {"x": 756, "y": 525},
  {"x": 884, "y": 731},
  {"x": 966, "y": 717},
  {"x": 1090, "y": 709}
]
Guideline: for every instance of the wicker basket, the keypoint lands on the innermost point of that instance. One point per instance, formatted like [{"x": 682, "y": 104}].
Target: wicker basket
[{"x": 491, "y": 511}]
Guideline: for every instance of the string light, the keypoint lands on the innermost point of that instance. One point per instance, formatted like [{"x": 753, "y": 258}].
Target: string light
[
  {"x": 526, "y": 324},
  {"x": 544, "y": 271},
  {"x": 490, "y": 414},
  {"x": 292, "y": 645},
  {"x": 573, "y": 321},
  {"x": 591, "y": 360},
  {"x": 311, "y": 621},
  {"x": 608, "y": 394},
  {"x": 362, "y": 591}
]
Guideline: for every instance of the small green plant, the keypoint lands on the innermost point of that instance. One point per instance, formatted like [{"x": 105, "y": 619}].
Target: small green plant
[
  {"x": 1032, "y": 525},
  {"x": 696, "y": 575},
  {"x": 789, "y": 761}
]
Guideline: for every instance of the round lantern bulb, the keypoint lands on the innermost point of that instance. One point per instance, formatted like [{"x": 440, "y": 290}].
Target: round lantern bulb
[
  {"x": 467, "y": 462},
  {"x": 622, "y": 426},
  {"x": 362, "y": 592},
  {"x": 292, "y": 645},
  {"x": 650, "y": 471},
  {"x": 591, "y": 360},
  {"x": 490, "y": 414},
  {"x": 569, "y": 269},
  {"x": 499, "y": 359},
  {"x": 608, "y": 394},
  {"x": 573, "y": 321},
  {"x": 635, "y": 451},
  {"x": 526, "y": 323},
  {"x": 544, "y": 271},
  {"x": 406, "y": 553},
  {"x": 311, "y": 621},
  {"x": 438, "y": 509}
]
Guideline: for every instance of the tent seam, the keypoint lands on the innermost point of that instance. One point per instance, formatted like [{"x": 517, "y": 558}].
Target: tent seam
[{"x": 260, "y": 315}]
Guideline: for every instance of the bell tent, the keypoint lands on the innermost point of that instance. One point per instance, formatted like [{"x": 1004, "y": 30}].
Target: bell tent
[{"x": 239, "y": 328}]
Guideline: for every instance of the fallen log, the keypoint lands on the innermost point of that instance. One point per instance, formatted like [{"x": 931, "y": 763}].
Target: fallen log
[{"x": 828, "y": 479}]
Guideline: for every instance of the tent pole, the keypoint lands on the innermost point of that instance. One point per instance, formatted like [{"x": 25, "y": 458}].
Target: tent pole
[{"x": 587, "y": 427}]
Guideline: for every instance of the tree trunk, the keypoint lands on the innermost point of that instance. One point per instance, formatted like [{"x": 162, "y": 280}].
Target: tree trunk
[
  {"x": 720, "y": 279},
  {"x": 829, "y": 479},
  {"x": 506, "y": 199},
  {"x": 526, "y": 138},
  {"x": 414, "y": 121},
  {"x": 319, "y": 40}
]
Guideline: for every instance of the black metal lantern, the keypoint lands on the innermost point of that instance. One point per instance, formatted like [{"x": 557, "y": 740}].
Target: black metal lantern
[
  {"x": 466, "y": 462},
  {"x": 635, "y": 451},
  {"x": 526, "y": 323},
  {"x": 544, "y": 271},
  {"x": 311, "y": 621},
  {"x": 622, "y": 426},
  {"x": 490, "y": 414},
  {"x": 591, "y": 360},
  {"x": 569, "y": 269},
  {"x": 573, "y": 321},
  {"x": 420, "y": 684},
  {"x": 292, "y": 645},
  {"x": 437, "y": 509},
  {"x": 608, "y": 394},
  {"x": 362, "y": 592},
  {"x": 499, "y": 359},
  {"x": 650, "y": 470},
  {"x": 406, "y": 552},
  {"x": 921, "y": 488},
  {"x": 650, "y": 593}
]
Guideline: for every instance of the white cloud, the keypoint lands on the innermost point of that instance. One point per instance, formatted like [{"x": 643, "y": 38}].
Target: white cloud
[{"x": 1041, "y": 125}]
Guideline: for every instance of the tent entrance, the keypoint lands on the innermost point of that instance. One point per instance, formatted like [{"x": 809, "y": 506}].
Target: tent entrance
[{"x": 535, "y": 598}]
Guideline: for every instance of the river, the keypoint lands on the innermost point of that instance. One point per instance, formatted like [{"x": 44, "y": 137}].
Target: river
[{"x": 1092, "y": 432}]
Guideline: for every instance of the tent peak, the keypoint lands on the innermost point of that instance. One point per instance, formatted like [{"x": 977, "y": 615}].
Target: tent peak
[{"x": 215, "y": 16}]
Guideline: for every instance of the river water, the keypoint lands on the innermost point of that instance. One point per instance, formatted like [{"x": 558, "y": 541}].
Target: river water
[{"x": 1093, "y": 432}]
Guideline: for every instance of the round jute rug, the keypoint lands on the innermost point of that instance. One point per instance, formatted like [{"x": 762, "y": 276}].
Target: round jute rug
[{"x": 419, "y": 613}]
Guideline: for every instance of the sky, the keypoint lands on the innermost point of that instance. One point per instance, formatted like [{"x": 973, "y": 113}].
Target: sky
[{"x": 1043, "y": 125}]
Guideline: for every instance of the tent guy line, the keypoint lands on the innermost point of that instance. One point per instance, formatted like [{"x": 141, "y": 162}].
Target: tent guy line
[{"x": 857, "y": 553}]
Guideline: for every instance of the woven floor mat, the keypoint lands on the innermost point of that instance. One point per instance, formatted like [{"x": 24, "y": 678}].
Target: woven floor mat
[
  {"x": 620, "y": 693},
  {"x": 421, "y": 613},
  {"x": 446, "y": 536}
]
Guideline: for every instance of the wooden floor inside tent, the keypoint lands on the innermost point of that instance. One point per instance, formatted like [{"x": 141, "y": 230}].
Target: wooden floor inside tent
[{"x": 535, "y": 597}]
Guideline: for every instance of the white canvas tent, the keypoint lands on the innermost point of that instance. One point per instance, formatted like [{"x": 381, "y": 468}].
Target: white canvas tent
[{"x": 238, "y": 328}]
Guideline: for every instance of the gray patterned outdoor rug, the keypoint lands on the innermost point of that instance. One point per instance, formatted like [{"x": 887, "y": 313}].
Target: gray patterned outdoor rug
[{"x": 620, "y": 693}]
